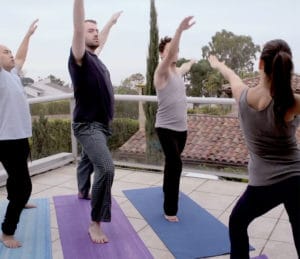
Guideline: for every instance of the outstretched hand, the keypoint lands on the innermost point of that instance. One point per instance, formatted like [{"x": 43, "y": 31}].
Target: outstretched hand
[
  {"x": 193, "y": 61},
  {"x": 186, "y": 23},
  {"x": 114, "y": 18},
  {"x": 32, "y": 27},
  {"x": 214, "y": 62}
]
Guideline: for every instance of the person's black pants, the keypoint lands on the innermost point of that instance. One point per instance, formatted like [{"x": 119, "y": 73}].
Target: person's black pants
[
  {"x": 13, "y": 156},
  {"x": 172, "y": 143},
  {"x": 258, "y": 200}
]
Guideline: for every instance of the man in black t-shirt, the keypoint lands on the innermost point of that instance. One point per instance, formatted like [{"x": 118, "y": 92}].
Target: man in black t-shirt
[{"x": 93, "y": 113}]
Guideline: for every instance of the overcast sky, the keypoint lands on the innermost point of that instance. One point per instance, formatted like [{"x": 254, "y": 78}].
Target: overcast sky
[{"x": 126, "y": 50}]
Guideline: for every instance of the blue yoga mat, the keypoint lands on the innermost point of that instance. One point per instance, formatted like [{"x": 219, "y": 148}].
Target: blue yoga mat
[
  {"x": 33, "y": 232},
  {"x": 260, "y": 257},
  {"x": 198, "y": 234}
]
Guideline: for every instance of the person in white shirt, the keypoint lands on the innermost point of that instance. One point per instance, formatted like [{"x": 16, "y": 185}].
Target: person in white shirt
[{"x": 15, "y": 129}]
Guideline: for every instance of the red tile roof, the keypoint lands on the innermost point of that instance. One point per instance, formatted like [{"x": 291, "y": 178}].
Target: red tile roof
[{"x": 211, "y": 139}]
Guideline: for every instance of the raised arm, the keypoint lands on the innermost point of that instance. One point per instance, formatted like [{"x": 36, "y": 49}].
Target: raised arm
[
  {"x": 236, "y": 83},
  {"x": 186, "y": 67},
  {"x": 163, "y": 68},
  {"x": 103, "y": 35},
  {"x": 1, "y": 51},
  {"x": 23, "y": 48},
  {"x": 78, "y": 44},
  {"x": 295, "y": 110}
]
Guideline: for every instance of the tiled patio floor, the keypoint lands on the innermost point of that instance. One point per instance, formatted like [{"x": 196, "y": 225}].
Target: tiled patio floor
[{"x": 269, "y": 234}]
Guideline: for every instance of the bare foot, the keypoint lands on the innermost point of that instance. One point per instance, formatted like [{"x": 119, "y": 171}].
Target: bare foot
[
  {"x": 81, "y": 196},
  {"x": 10, "y": 242},
  {"x": 29, "y": 206},
  {"x": 172, "y": 218},
  {"x": 96, "y": 233}
]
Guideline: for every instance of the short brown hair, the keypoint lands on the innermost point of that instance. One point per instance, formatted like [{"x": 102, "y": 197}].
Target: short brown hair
[
  {"x": 163, "y": 42},
  {"x": 91, "y": 21}
]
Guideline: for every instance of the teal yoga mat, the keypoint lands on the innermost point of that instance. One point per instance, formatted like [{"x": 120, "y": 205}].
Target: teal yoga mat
[
  {"x": 33, "y": 232},
  {"x": 198, "y": 234}
]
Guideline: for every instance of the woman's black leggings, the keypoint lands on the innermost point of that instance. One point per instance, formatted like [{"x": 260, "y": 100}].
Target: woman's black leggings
[{"x": 258, "y": 200}]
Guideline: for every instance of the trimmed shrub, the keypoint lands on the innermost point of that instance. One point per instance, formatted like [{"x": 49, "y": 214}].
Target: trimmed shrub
[
  {"x": 51, "y": 108},
  {"x": 122, "y": 130},
  {"x": 52, "y": 136}
]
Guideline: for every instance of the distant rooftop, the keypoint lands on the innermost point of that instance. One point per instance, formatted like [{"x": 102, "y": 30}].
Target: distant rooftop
[{"x": 46, "y": 88}]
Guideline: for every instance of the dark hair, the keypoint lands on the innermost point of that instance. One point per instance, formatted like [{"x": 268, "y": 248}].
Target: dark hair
[
  {"x": 163, "y": 42},
  {"x": 278, "y": 66},
  {"x": 91, "y": 21}
]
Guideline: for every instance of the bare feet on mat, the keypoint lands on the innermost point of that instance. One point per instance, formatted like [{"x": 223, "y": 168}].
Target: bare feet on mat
[
  {"x": 81, "y": 196},
  {"x": 10, "y": 242},
  {"x": 172, "y": 218},
  {"x": 29, "y": 206},
  {"x": 96, "y": 233}
]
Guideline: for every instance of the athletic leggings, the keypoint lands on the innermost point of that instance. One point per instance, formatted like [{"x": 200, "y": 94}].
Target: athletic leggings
[
  {"x": 172, "y": 143},
  {"x": 13, "y": 155},
  {"x": 258, "y": 200}
]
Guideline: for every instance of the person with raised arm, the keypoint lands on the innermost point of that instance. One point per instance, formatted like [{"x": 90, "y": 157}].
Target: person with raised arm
[
  {"x": 93, "y": 112},
  {"x": 171, "y": 117},
  {"x": 15, "y": 129},
  {"x": 269, "y": 117}
]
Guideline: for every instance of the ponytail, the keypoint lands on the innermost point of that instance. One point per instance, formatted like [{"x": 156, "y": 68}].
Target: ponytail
[
  {"x": 278, "y": 67},
  {"x": 281, "y": 88}
]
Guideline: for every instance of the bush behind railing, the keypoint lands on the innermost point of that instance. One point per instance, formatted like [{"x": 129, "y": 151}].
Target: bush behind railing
[
  {"x": 50, "y": 108},
  {"x": 52, "y": 136}
]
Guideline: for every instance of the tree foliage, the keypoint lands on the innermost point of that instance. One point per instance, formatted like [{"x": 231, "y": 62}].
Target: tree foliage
[
  {"x": 152, "y": 60},
  {"x": 152, "y": 144},
  {"x": 133, "y": 80},
  {"x": 238, "y": 51},
  {"x": 202, "y": 80}
]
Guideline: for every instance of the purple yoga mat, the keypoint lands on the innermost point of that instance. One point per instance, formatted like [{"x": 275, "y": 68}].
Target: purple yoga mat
[{"x": 73, "y": 218}]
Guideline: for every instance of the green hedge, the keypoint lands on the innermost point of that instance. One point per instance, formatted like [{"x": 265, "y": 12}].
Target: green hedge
[
  {"x": 52, "y": 136},
  {"x": 51, "y": 108},
  {"x": 122, "y": 109},
  {"x": 122, "y": 130},
  {"x": 222, "y": 109}
]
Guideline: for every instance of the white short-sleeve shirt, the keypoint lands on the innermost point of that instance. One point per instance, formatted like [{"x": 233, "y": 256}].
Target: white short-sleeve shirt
[{"x": 15, "y": 118}]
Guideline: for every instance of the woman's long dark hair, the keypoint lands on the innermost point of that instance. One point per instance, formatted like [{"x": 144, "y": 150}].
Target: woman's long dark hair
[{"x": 278, "y": 66}]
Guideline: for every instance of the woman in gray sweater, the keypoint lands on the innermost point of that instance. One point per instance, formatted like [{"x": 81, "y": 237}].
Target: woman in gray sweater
[{"x": 268, "y": 116}]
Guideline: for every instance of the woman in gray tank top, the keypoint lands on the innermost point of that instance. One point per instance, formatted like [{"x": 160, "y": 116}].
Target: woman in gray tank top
[
  {"x": 171, "y": 117},
  {"x": 268, "y": 116}
]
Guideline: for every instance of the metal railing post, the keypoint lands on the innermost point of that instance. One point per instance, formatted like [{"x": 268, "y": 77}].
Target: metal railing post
[{"x": 74, "y": 144}]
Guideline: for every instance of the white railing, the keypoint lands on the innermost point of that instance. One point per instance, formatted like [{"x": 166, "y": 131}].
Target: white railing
[
  {"x": 58, "y": 160},
  {"x": 53, "y": 98},
  {"x": 137, "y": 98},
  {"x": 121, "y": 97}
]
